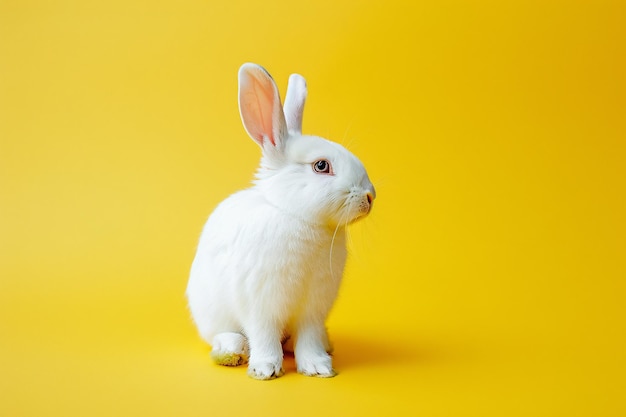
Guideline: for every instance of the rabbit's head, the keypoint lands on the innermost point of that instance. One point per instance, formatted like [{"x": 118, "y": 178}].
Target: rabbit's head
[{"x": 305, "y": 176}]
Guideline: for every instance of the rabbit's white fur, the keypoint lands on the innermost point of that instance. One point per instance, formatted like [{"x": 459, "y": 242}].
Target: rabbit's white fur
[{"x": 270, "y": 258}]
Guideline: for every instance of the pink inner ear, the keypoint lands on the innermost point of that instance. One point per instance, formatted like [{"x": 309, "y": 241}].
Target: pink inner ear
[{"x": 259, "y": 104}]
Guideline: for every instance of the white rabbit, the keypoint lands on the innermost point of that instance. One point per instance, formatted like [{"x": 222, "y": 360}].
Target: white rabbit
[{"x": 270, "y": 258}]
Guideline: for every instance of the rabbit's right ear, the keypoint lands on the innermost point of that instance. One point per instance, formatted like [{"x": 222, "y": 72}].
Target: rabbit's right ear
[
  {"x": 260, "y": 107},
  {"x": 294, "y": 103}
]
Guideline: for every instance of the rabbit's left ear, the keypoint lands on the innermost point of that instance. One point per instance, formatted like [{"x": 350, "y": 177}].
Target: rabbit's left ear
[
  {"x": 294, "y": 103},
  {"x": 260, "y": 107}
]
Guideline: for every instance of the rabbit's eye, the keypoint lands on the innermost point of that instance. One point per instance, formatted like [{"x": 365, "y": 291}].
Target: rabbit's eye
[{"x": 322, "y": 167}]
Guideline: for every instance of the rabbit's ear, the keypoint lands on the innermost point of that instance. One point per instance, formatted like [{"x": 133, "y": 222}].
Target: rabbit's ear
[
  {"x": 260, "y": 107},
  {"x": 294, "y": 103}
]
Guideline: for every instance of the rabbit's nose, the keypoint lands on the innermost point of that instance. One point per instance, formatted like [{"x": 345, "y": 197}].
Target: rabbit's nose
[{"x": 370, "y": 197}]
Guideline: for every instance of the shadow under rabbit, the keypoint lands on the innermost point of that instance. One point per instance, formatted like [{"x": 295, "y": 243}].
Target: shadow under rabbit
[{"x": 357, "y": 351}]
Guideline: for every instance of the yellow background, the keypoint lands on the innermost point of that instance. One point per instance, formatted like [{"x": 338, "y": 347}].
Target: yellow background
[{"x": 488, "y": 281}]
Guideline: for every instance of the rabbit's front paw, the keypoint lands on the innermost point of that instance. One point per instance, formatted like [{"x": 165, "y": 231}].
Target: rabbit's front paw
[
  {"x": 316, "y": 365},
  {"x": 265, "y": 370}
]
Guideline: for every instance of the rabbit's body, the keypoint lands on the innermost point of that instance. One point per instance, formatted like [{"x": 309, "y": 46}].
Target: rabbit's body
[
  {"x": 304, "y": 278},
  {"x": 263, "y": 292},
  {"x": 270, "y": 258}
]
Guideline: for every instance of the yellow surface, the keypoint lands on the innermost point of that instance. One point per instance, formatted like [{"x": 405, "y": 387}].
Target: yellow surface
[{"x": 489, "y": 280}]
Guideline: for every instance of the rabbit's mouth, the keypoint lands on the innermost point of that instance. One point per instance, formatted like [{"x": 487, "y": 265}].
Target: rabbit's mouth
[
  {"x": 366, "y": 204},
  {"x": 359, "y": 206}
]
